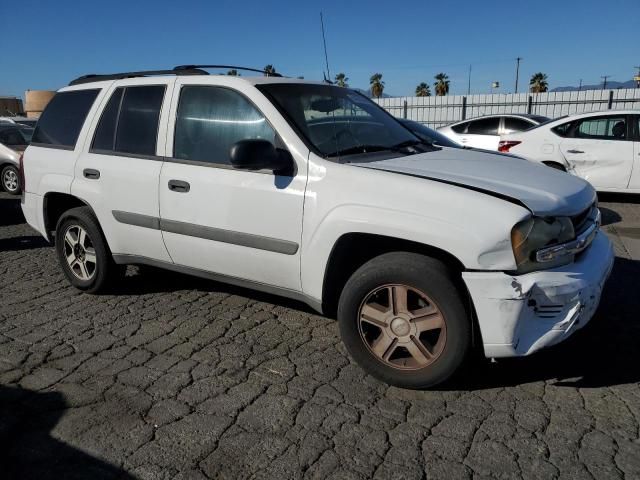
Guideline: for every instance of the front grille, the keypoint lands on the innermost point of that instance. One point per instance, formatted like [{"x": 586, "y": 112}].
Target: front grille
[
  {"x": 548, "y": 311},
  {"x": 584, "y": 219}
]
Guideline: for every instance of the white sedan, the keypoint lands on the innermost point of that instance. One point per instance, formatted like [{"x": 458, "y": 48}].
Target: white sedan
[
  {"x": 601, "y": 147},
  {"x": 484, "y": 132}
]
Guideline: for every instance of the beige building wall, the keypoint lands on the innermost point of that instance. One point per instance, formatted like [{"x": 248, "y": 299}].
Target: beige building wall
[
  {"x": 36, "y": 100},
  {"x": 10, "y": 105}
]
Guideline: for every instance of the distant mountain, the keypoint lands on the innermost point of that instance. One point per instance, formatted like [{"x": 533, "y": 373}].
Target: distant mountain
[{"x": 610, "y": 86}]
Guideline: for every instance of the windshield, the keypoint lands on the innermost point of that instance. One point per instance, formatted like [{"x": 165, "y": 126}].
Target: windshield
[
  {"x": 337, "y": 121},
  {"x": 27, "y": 133}
]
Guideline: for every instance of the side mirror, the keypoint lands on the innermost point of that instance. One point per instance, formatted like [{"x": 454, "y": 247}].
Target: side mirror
[{"x": 258, "y": 154}]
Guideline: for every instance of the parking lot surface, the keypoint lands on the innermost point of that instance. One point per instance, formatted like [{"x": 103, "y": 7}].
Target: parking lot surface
[{"x": 177, "y": 377}]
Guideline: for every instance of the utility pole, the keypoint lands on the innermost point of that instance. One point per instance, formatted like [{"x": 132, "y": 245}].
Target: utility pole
[
  {"x": 580, "y": 86},
  {"x": 517, "y": 71},
  {"x": 604, "y": 83},
  {"x": 469, "y": 82}
]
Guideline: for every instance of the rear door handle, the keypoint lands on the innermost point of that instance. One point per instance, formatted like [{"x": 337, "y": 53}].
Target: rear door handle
[
  {"x": 574, "y": 151},
  {"x": 179, "y": 186},
  {"x": 91, "y": 173}
]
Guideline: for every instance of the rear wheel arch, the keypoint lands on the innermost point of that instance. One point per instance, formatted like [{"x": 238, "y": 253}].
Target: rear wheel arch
[
  {"x": 55, "y": 204},
  {"x": 556, "y": 165}
]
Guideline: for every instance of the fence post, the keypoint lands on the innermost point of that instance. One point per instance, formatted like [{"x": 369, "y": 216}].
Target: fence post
[
  {"x": 464, "y": 108},
  {"x": 610, "y": 104},
  {"x": 529, "y": 104},
  {"x": 404, "y": 109}
]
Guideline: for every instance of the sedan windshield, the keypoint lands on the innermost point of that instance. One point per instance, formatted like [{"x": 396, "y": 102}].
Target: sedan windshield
[{"x": 337, "y": 122}]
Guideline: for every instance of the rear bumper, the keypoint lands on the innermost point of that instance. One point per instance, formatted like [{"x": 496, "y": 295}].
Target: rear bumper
[
  {"x": 519, "y": 315},
  {"x": 33, "y": 212}
]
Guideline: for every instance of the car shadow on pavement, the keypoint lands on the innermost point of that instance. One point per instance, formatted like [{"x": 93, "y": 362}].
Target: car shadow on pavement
[
  {"x": 609, "y": 216},
  {"x": 604, "y": 353},
  {"x": 145, "y": 279},
  {"x": 10, "y": 212},
  {"x": 27, "y": 448},
  {"x": 15, "y": 244}
]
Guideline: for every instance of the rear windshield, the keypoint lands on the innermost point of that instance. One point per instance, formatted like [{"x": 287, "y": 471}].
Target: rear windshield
[{"x": 62, "y": 119}]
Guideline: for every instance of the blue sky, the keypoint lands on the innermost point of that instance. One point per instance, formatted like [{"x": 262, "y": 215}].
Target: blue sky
[{"x": 51, "y": 42}]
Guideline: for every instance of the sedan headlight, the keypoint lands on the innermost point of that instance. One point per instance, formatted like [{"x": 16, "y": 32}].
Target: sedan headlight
[{"x": 537, "y": 234}]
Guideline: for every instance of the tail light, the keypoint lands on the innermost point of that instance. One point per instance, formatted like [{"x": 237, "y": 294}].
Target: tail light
[
  {"x": 21, "y": 171},
  {"x": 505, "y": 145}
]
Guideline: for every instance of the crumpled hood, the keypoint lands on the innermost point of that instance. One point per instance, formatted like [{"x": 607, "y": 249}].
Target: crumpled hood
[{"x": 543, "y": 190}]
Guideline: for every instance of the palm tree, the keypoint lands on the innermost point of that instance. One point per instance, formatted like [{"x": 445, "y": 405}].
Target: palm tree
[
  {"x": 341, "y": 80},
  {"x": 233, "y": 72},
  {"x": 423, "y": 90},
  {"x": 269, "y": 70},
  {"x": 538, "y": 83},
  {"x": 442, "y": 84},
  {"x": 377, "y": 85}
]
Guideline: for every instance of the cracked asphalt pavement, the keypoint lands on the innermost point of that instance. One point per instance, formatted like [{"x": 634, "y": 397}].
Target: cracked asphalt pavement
[{"x": 177, "y": 377}]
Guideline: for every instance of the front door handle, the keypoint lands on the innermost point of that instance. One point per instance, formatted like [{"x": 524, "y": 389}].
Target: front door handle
[
  {"x": 179, "y": 186},
  {"x": 91, "y": 173},
  {"x": 574, "y": 151}
]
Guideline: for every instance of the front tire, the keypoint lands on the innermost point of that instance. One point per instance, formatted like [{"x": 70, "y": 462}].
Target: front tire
[
  {"x": 83, "y": 252},
  {"x": 403, "y": 320},
  {"x": 11, "y": 180}
]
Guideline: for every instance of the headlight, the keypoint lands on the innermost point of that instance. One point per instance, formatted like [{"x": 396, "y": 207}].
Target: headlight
[{"x": 536, "y": 233}]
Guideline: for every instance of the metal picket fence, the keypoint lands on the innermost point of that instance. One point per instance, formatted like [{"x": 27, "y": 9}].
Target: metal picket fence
[{"x": 437, "y": 111}]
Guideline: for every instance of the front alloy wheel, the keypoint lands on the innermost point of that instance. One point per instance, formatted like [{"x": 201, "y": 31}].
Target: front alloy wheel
[
  {"x": 402, "y": 327},
  {"x": 403, "y": 319}
]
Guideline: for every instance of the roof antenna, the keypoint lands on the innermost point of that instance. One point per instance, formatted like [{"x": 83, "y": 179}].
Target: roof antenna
[{"x": 327, "y": 76}]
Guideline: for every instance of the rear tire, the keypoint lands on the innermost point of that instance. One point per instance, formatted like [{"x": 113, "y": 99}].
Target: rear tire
[
  {"x": 403, "y": 320},
  {"x": 11, "y": 180},
  {"x": 83, "y": 252}
]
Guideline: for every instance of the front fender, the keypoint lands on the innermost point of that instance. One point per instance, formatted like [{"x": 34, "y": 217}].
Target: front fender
[{"x": 480, "y": 246}]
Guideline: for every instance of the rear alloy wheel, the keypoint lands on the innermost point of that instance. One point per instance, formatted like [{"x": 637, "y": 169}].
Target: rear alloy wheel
[
  {"x": 403, "y": 320},
  {"x": 79, "y": 253},
  {"x": 11, "y": 180},
  {"x": 83, "y": 251}
]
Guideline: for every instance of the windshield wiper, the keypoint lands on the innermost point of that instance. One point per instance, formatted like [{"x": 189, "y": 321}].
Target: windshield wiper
[
  {"x": 359, "y": 149},
  {"x": 407, "y": 143}
]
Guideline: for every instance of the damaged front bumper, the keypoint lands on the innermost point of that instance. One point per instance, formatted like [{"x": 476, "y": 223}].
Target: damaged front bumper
[{"x": 520, "y": 314}]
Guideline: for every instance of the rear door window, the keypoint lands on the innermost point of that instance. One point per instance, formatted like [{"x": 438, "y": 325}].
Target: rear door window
[
  {"x": 602, "y": 128},
  {"x": 60, "y": 124},
  {"x": 484, "y": 126},
  {"x": 129, "y": 122}
]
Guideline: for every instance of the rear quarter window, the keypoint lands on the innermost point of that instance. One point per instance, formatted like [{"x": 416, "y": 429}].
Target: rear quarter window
[
  {"x": 62, "y": 119},
  {"x": 460, "y": 128}
]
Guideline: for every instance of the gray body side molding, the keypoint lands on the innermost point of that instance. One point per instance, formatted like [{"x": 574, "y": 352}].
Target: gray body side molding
[{"x": 269, "y": 244}]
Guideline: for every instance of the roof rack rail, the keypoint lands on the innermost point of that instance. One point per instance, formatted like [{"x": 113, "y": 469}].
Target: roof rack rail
[
  {"x": 257, "y": 70},
  {"x": 92, "y": 77}
]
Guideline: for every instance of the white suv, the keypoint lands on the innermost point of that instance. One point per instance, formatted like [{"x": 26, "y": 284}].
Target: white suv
[{"x": 311, "y": 191}]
